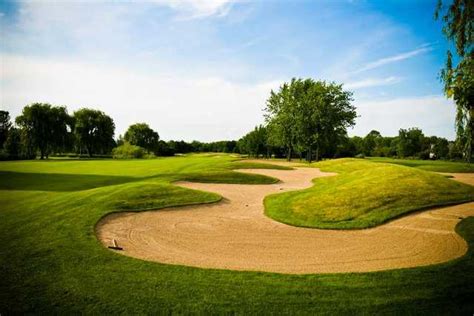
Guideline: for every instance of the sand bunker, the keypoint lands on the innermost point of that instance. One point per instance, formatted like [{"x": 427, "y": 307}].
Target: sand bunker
[{"x": 235, "y": 234}]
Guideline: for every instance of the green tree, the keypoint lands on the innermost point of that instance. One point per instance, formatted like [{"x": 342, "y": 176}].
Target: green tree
[
  {"x": 128, "y": 151},
  {"x": 311, "y": 116},
  {"x": 458, "y": 73},
  {"x": 13, "y": 145},
  {"x": 94, "y": 130},
  {"x": 371, "y": 141},
  {"x": 140, "y": 134},
  {"x": 45, "y": 126},
  {"x": 410, "y": 142},
  {"x": 280, "y": 115},
  {"x": 164, "y": 149},
  {"x": 358, "y": 144},
  {"x": 5, "y": 126},
  {"x": 255, "y": 143},
  {"x": 439, "y": 147}
]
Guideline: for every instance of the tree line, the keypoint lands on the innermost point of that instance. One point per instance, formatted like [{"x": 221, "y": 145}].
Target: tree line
[
  {"x": 42, "y": 130},
  {"x": 410, "y": 143},
  {"x": 304, "y": 119},
  {"x": 308, "y": 119}
]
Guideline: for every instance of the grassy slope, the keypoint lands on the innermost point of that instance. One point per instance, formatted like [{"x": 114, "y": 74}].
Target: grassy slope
[
  {"x": 429, "y": 165},
  {"x": 50, "y": 260},
  {"x": 364, "y": 194}
]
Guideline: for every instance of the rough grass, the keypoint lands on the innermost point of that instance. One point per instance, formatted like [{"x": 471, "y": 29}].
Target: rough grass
[
  {"x": 52, "y": 263},
  {"x": 429, "y": 165},
  {"x": 364, "y": 194}
]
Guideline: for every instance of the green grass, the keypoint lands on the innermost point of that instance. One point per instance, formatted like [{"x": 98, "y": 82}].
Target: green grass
[
  {"x": 258, "y": 165},
  {"x": 364, "y": 194},
  {"x": 51, "y": 261},
  {"x": 429, "y": 165}
]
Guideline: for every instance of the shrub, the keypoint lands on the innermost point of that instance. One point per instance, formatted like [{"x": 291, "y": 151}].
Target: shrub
[{"x": 128, "y": 151}]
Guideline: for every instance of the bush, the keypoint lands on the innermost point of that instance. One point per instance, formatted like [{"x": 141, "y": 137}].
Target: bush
[{"x": 128, "y": 151}]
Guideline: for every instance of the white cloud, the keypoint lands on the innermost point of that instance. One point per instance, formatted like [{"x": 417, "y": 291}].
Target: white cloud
[
  {"x": 388, "y": 60},
  {"x": 203, "y": 108},
  {"x": 196, "y": 9},
  {"x": 372, "y": 82},
  {"x": 434, "y": 114}
]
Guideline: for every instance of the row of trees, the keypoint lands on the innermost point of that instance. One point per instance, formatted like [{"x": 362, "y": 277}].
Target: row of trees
[
  {"x": 42, "y": 129},
  {"x": 45, "y": 129},
  {"x": 410, "y": 143},
  {"x": 304, "y": 118}
]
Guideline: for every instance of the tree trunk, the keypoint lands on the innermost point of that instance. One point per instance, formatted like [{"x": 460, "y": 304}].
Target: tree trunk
[
  {"x": 42, "y": 151},
  {"x": 310, "y": 155},
  {"x": 89, "y": 151},
  {"x": 470, "y": 134},
  {"x": 317, "y": 153},
  {"x": 289, "y": 154}
]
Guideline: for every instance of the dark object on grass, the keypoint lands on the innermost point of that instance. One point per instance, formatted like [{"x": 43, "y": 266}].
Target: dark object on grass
[{"x": 115, "y": 246}]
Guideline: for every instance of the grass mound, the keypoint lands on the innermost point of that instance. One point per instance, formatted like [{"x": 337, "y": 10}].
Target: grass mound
[
  {"x": 228, "y": 177},
  {"x": 364, "y": 194}
]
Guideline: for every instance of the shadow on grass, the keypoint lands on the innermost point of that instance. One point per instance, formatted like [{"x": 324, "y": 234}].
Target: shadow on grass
[{"x": 56, "y": 181}]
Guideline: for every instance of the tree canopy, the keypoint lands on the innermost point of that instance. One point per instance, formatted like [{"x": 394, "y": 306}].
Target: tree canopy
[
  {"x": 94, "y": 130},
  {"x": 5, "y": 126},
  {"x": 458, "y": 73},
  {"x": 140, "y": 134},
  {"x": 44, "y": 125},
  {"x": 309, "y": 116}
]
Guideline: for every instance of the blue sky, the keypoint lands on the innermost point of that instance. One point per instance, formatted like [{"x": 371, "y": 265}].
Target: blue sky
[{"x": 202, "y": 69}]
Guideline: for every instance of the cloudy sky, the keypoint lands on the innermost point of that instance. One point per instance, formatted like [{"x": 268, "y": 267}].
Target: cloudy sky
[{"x": 202, "y": 69}]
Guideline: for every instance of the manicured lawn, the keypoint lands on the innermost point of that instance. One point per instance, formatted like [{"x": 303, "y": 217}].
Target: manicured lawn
[
  {"x": 429, "y": 165},
  {"x": 364, "y": 194},
  {"x": 51, "y": 261}
]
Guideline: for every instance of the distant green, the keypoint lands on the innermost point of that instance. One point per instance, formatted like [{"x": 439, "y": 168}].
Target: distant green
[
  {"x": 429, "y": 165},
  {"x": 364, "y": 194},
  {"x": 52, "y": 263}
]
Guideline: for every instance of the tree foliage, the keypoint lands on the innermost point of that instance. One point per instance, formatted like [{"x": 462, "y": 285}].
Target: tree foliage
[
  {"x": 309, "y": 116},
  {"x": 410, "y": 142},
  {"x": 128, "y": 151},
  {"x": 458, "y": 77},
  {"x": 45, "y": 126},
  {"x": 94, "y": 131},
  {"x": 5, "y": 126},
  {"x": 255, "y": 143},
  {"x": 140, "y": 134}
]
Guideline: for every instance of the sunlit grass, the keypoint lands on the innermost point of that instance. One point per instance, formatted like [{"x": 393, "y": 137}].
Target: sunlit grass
[
  {"x": 429, "y": 165},
  {"x": 364, "y": 194},
  {"x": 52, "y": 263}
]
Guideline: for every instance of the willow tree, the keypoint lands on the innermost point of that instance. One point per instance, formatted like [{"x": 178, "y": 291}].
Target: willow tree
[
  {"x": 458, "y": 72},
  {"x": 44, "y": 126},
  {"x": 94, "y": 130}
]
